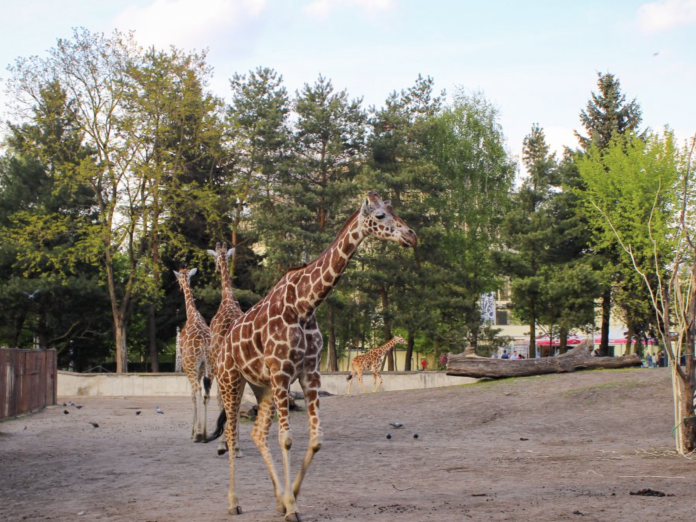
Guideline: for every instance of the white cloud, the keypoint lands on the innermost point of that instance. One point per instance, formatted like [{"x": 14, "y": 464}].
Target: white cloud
[
  {"x": 189, "y": 23},
  {"x": 666, "y": 14},
  {"x": 322, "y": 9}
]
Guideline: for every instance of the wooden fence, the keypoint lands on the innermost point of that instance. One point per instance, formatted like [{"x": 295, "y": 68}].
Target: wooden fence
[{"x": 27, "y": 381}]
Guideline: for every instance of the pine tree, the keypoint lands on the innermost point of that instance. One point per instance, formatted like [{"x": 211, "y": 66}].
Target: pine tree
[{"x": 607, "y": 116}]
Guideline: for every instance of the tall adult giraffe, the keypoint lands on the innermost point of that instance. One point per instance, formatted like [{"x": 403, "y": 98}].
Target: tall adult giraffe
[
  {"x": 194, "y": 343},
  {"x": 228, "y": 311},
  {"x": 278, "y": 341},
  {"x": 371, "y": 360}
]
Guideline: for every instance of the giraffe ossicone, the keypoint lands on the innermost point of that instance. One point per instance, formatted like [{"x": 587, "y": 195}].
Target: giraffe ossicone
[
  {"x": 371, "y": 360},
  {"x": 278, "y": 341}
]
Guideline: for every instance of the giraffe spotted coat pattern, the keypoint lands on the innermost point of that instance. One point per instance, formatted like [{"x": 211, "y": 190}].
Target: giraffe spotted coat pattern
[
  {"x": 371, "y": 360},
  {"x": 278, "y": 341}
]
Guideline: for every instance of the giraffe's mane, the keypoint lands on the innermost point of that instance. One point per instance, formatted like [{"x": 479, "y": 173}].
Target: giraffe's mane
[{"x": 345, "y": 226}]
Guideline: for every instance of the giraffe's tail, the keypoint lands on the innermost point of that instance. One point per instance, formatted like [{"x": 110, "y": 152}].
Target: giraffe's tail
[
  {"x": 207, "y": 384},
  {"x": 220, "y": 429},
  {"x": 350, "y": 376}
]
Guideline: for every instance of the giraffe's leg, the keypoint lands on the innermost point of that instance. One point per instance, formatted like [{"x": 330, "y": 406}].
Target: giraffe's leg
[
  {"x": 199, "y": 408},
  {"x": 259, "y": 434},
  {"x": 350, "y": 381},
  {"x": 222, "y": 445},
  {"x": 360, "y": 381},
  {"x": 195, "y": 393},
  {"x": 231, "y": 388},
  {"x": 375, "y": 375},
  {"x": 311, "y": 385},
  {"x": 281, "y": 385}
]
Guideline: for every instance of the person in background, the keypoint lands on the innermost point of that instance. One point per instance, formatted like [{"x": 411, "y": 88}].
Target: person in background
[
  {"x": 424, "y": 364},
  {"x": 661, "y": 359},
  {"x": 648, "y": 361},
  {"x": 514, "y": 355},
  {"x": 505, "y": 355}
]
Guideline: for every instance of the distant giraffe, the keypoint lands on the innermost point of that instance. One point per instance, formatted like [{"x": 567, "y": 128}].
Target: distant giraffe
[
  {"x": 228, "y": 311},
  {"x": 371, "y": 360},
  {"x": 278, "y": 341},
  {"x": 194, "y": 344}
]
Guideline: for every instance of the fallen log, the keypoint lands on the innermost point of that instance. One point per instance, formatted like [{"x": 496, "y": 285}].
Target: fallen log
[{"x": 579, "y": 358}]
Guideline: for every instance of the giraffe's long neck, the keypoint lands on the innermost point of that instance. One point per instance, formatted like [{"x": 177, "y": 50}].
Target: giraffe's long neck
[
  {"x": 191, "y": 310},
  {"x": 315, "y": 281},
  {"x": 228, "y": 299},
  {"x": 380, "y": 351}
]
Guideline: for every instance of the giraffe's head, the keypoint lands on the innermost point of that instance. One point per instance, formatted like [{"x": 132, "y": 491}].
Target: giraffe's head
[
  {"x": 221, "y": 255},
  {"x": 379, "y": 220},
  {"x": 399, "y": 340},
  {"x": 184, "y": 276}
]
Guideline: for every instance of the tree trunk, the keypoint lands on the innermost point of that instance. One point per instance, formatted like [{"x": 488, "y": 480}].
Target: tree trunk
[
  {"x": 121, "y": 347},
  {"x": 606, "y": 312},
  {"x": 17, "y": 325},
  {"x": 333, "y": 355},
  {"x": 630, "y": 347},
  {"x": 409, "y": 350},
  {"x": 152, "y": 336},
  {"x": 532, "y": 334},
  {"x": 563, "y": 339},
  {"x": 580, "y": 357},
  {"x": 689, "y": 432},
  {"x": 387, "y": 326}
]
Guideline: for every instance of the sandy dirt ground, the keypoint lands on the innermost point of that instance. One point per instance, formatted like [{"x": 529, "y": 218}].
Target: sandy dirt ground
[{"x": 552, "y": 448}]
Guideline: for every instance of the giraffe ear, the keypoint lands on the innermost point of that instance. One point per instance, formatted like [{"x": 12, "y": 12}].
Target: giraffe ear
[
  {"x": 192, "y": 272},
  {"x": 230, "y": 252},
  {"x": 176, "y": 273},
  {"x": 212, "y": 253}
]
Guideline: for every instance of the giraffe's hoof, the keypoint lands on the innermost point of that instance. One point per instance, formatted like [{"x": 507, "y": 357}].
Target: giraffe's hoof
[
  {"x": 238, "y": 454},
  {"x": 293, "y": 517},
  {"x": 199, "y": 438},
  {"x": 221, "y": 451},
  {"x": 235, "y": 510}
]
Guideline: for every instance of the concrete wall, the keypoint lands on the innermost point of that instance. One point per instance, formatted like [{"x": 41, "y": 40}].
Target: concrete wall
[{"x": 176, "y": 385}]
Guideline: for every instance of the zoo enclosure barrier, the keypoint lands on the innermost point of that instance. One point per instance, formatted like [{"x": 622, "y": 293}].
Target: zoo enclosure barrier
[{"x": 28, "y": 380}]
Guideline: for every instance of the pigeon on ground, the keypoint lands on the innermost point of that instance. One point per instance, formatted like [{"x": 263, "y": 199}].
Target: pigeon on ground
[
  {"x": 65, "y": 405},
  {"x": 158, "y": 409},
  {"x": 79, "y": 407},
  {"x": 66, "y": 411},
  {"x": 94, "y": 424},
  {"x": 71, "y": 403},
  {"x": 137, "y": 413},
  {"x": 396, "y": 425}
]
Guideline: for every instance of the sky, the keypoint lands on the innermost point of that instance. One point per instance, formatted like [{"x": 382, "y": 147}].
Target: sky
[{"x": 536, "y": 61}]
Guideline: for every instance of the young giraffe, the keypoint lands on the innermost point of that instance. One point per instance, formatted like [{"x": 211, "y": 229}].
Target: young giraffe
[
  {"x": 371, "y": 360},
  {"x": 194, "y": 342},
  {"x": 228, "y": 311},
  {"x": 278, "y": 341}
]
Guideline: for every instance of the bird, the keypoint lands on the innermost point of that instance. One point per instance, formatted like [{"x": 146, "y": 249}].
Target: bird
[
  {"x": 138, "y": 412},
  {"x": 66, "y": 412},
  {"x": 415, "y": 435},
  {"x": 388, "y": 435},
  {"x": 94, "y": 424},
  {"x": 65, "y": 405},
  {"x": 32, "y": 295},
  {"x": 71, "y": 403},
  {"x": 78, "y": 406},
  {"x": 656, "y": 54},
  {"x": 396, "y": 425},
  {"x": 158, "y": 409}
]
